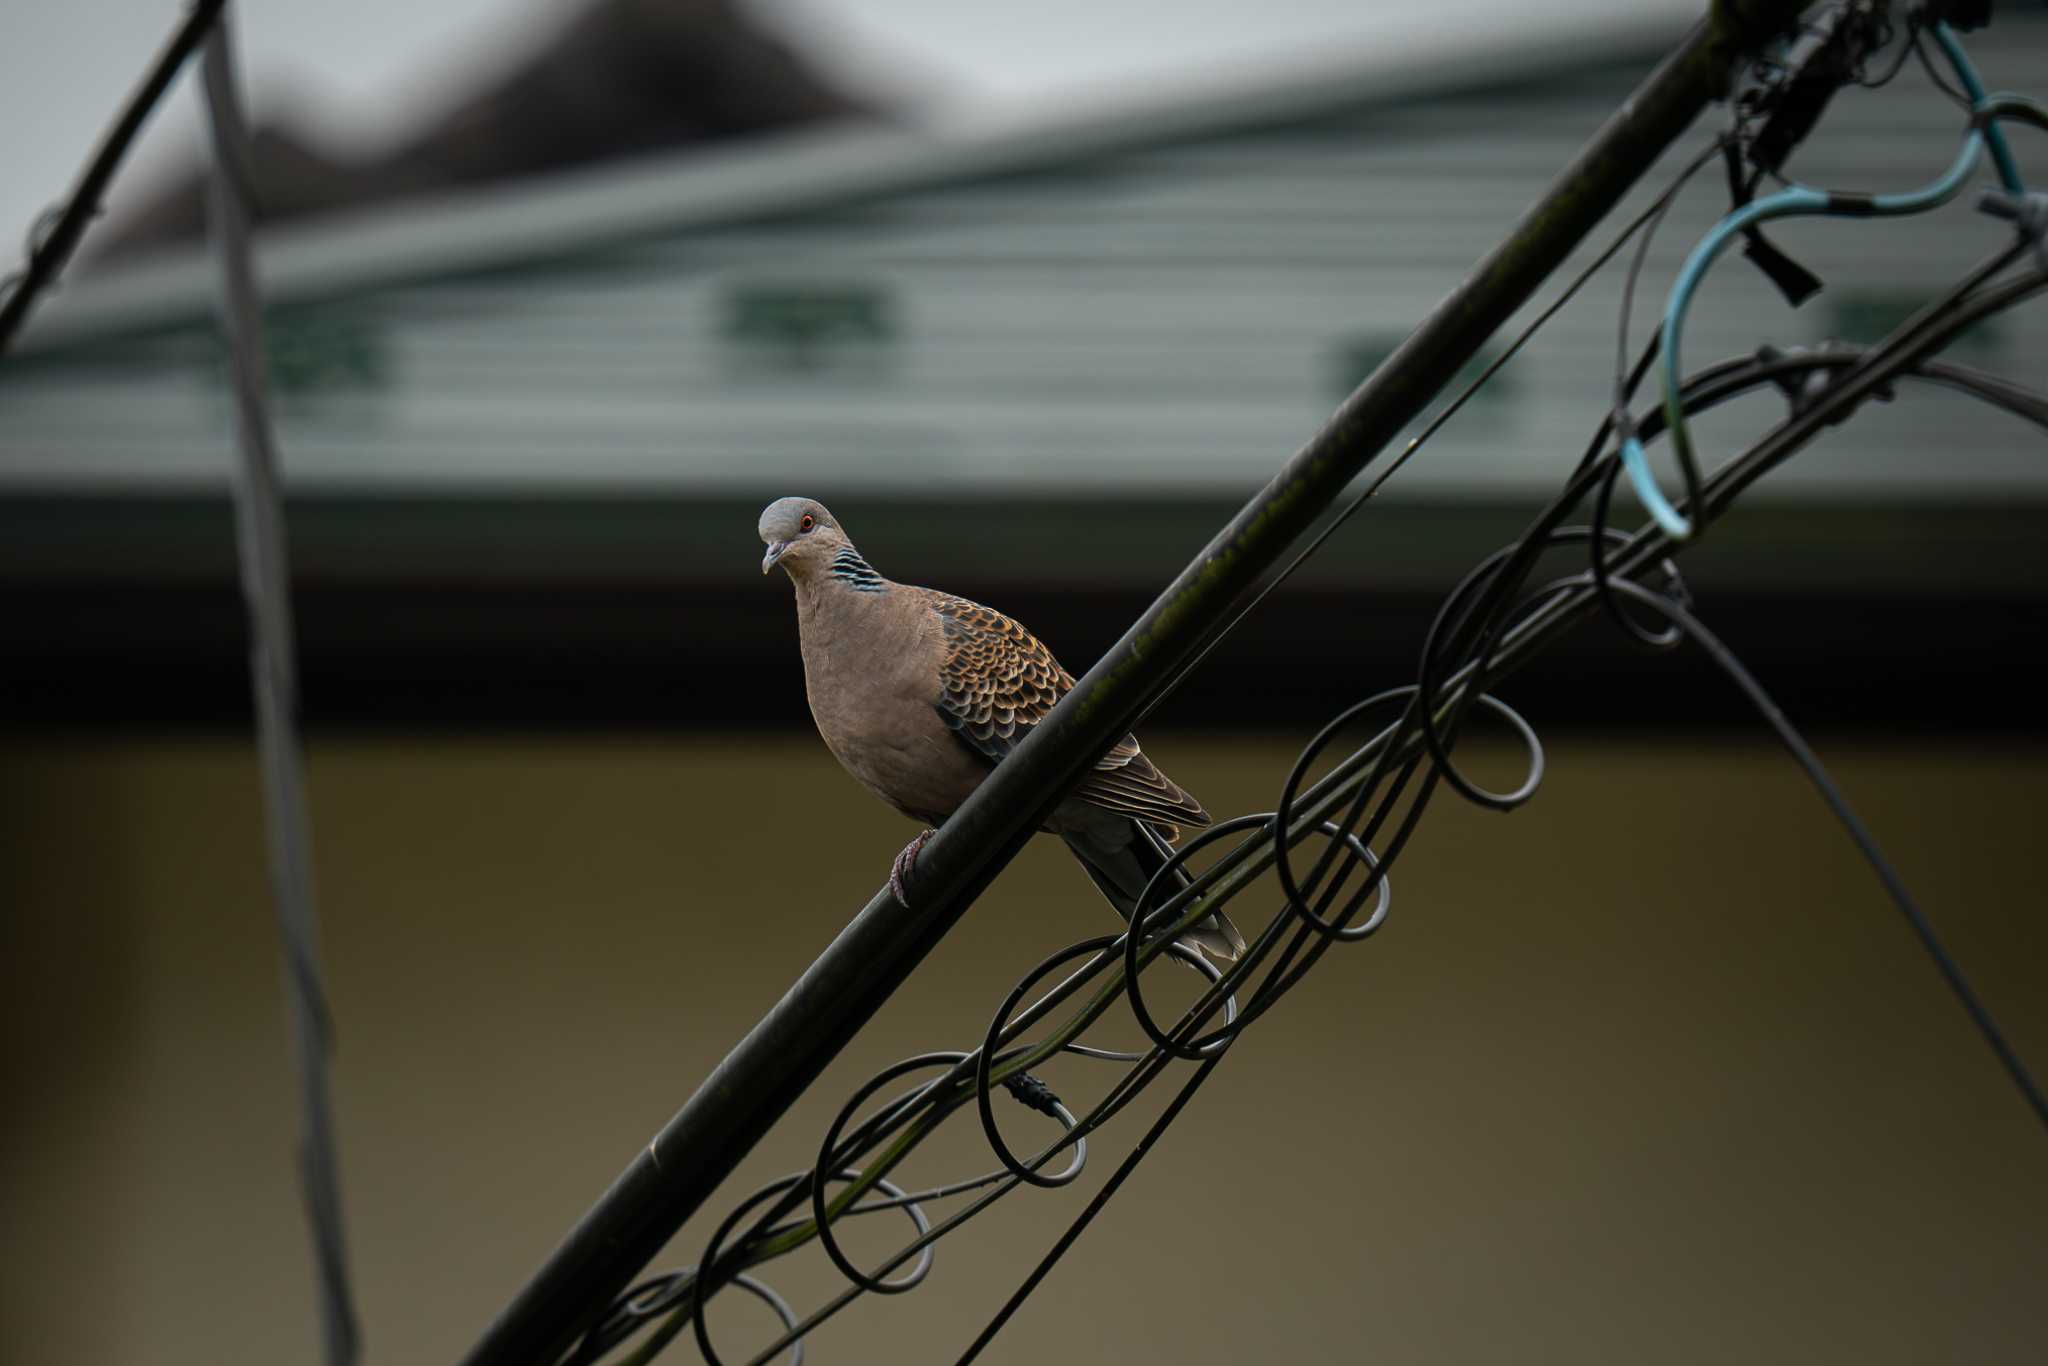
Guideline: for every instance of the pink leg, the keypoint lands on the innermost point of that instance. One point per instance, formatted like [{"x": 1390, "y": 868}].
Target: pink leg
[{"x": 905, "y": 866}]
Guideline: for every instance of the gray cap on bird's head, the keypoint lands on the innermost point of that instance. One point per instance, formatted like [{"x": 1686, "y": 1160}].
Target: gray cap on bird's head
[{"x": 798, "y": 531}]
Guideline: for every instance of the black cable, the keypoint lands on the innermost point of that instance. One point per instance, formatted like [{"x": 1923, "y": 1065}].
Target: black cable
[
  {"x": 1866, "y": 843},
  {"x": 49, "y": 251},
  {"x": 1095, "y": 1206},
  {"x": 1905, "y": 50}
]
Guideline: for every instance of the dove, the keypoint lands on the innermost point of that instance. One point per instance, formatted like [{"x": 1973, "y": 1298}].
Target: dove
[{"x": 920, "y": 694}]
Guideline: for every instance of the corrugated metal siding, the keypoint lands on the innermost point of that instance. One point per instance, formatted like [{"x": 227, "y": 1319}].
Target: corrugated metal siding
[{"x": 1176, "y": 317}]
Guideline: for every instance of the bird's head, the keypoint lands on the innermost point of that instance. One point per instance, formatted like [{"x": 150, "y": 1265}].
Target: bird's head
[{"x": 801, "y": 536}]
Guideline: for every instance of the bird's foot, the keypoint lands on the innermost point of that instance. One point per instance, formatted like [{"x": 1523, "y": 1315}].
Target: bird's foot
[{"x": 905, "y": 865}]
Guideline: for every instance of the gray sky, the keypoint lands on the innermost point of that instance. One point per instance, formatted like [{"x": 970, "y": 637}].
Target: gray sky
[{"x": 365, "y": 68}]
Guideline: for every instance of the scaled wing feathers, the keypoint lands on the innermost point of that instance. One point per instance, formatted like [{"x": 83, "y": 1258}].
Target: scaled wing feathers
[{"x": 998, "y": 681}]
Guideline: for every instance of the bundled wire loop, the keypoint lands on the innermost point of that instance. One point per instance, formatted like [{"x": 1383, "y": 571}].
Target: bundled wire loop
[{"x": 1362, "y": 811}]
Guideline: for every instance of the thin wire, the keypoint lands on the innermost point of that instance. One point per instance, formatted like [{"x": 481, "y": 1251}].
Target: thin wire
[
  {"x": 49, "y": 251},
  {"x": 1866, "y": 843},
  {"x": 1094, "y": 1207},
  {"x": 1934, "y": 74},
  {"x": 1898, "y": 58},
  {"x": 266, "y": 592},
  {"x": 1623, "y": 387}
]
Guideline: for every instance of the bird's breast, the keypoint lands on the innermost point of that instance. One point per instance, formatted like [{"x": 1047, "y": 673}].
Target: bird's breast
[{"x": 872, "y": 681}]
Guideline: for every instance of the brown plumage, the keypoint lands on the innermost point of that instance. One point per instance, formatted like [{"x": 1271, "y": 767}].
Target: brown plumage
[
  {"x": 998, "y": 681},
  {"x": 920, "y": 693}
]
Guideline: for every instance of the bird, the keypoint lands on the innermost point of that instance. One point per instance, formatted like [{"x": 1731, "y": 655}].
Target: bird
[{"x": 920, "y": 694}]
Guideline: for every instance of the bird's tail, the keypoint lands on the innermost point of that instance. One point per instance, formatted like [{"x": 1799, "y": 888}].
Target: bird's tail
[{"x": 1122, "y": 871}]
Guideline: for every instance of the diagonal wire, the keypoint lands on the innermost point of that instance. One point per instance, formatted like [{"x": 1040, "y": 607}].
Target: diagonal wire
[
  {"x": 1094, "y": 1207},
  {"x": 49, "y": 251},
  {"x": 1866, "y": 843},
  {"x": 1652, "y": 214},
  {"x": 260, "y": 541}
]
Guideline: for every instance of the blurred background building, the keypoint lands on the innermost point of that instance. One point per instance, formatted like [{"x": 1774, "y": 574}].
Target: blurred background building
[
  {"x": 538, "y": 360},
  {"x": 527, "y": 361}
]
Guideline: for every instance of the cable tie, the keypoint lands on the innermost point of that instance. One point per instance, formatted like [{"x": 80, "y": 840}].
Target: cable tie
[
  {"x": 2028, "y": 212},
  {"x": 1803, "y": 388},
  {"x": 1032, "y": 1093},
  {"x": 1794, "y": 281}
]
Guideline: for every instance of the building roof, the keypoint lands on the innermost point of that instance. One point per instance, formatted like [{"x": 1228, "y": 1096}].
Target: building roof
[
  {"x": 529, "y": 431},
  {"x": 611, "y": 79},
  {"x": 579, "y": 212}
]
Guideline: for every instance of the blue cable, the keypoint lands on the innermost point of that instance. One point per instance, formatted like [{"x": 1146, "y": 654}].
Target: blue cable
[
  {"x": 1793, "y": 201},
  {"x": 2001, "y": 155}
]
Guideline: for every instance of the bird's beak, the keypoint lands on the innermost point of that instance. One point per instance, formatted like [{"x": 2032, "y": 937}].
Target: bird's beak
[{"x": 775, "y": 549}]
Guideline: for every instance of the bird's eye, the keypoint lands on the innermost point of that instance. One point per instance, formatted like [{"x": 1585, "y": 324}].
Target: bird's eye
[{"x": 807, "y": 523}]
